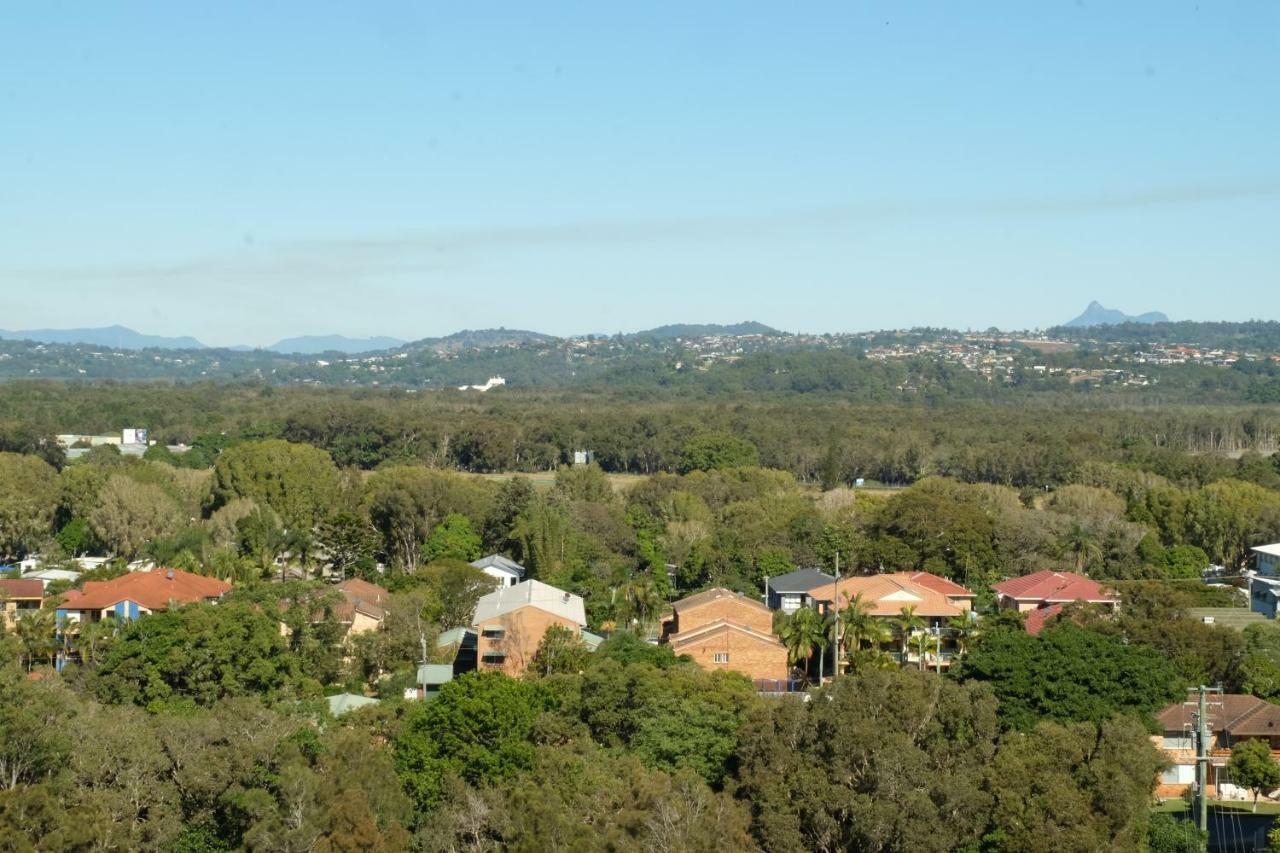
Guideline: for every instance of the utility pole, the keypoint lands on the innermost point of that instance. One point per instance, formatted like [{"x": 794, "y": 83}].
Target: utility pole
[
  {"x": 839, "y": 638},
  {"x": 1202, "y": 757}
]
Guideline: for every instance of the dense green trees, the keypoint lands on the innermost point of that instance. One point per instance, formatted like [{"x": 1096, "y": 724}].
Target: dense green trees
[
  {"x": 28, "y": 497},
  {"x": 477, "y": 730},
  {"x": 881, "y": 761},
  {"x": 199, "y": 653},
  {"x": 1069, "y": 674},
  {"x": 299, "y": 482}
]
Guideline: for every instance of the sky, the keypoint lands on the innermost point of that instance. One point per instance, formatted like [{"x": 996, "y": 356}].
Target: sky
[{"x": 244, "y": 172}]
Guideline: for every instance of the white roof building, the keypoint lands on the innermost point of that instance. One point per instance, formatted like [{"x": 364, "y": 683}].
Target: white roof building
[
  {"x": 508, "y": 572},
  {"x": 531, "y": 593}
]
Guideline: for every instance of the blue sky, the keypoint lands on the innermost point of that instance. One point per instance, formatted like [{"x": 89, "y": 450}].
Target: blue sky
[{"x": 244, "y": 172}]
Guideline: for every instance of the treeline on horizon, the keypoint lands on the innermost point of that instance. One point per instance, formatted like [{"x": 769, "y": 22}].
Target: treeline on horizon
[{"x": 830, "y": 440}]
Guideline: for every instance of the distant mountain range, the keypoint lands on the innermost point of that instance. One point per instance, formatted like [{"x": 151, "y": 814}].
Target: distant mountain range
[
  {"x": 124, "y": 338},
  {"x": 315, "y": 344},
  {"x": 1097, "y": 315},
  {"x": 117, "y": 337}
]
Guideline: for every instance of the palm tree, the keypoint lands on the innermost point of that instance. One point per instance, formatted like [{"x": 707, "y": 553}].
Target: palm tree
[
  {"x": 36, "y": 633},
  {"x": 643, "y": 603},
  {"x": 964, "y": 631},
  {"x": 927, "y": 643},
  {"x": 801, "y": 633},
  {"x": 861, "y": 627},
  {"x": 1081, "y": 542},
  {"x": 93, "y": 640},
  {"x": 905, "y": 624}
]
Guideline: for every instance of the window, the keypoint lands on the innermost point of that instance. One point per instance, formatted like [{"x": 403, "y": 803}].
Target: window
[
  {"x": 1178, "y": 742},
  {"x": 493, "y": 658},
  {"x": 722, "y": 657},
  {"x": 493, "y": 633}
]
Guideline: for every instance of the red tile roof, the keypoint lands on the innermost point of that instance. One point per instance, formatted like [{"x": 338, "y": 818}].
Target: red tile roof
[
  {"x": 1053, "y": 587},
  {"x": 363, "y": 597},
  {"x": 1037, "y": 619},
  {"x": 12, "y": 588},
  {"x": 937, "y": 583},
  {"x": 153, "y": 590}
]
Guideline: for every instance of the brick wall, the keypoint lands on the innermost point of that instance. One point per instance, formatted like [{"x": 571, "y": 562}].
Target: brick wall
[
  {"x": 754, "y": 656},
  {"x": 523, "y": 630}
]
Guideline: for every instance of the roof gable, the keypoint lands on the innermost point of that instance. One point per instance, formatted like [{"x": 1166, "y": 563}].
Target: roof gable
[
  {"x": 500, "y": 563},
  {"x": 714, "y": 594},
  {"x": 721, "y": 626}
]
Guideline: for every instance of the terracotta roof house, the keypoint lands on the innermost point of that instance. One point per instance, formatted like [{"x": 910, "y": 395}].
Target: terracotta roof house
[
  {"x": 137, "y": 593},
  {"x": 18, "y": 597},
  {"x": 363, "y": 606},
  {"x": 1046, "y": 588},
  {"x": 934, "y": 599},
  {"x": 887, "y": 594},
  {"x": 510, "y": 622},
  {"x": 1232, "y": 717},
  {"x": 790, "y": 592},
  {"x": 722, "y": 629}
]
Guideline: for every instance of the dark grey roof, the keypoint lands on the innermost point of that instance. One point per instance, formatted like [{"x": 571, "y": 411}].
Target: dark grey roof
[{"x": 801, "y": 580}]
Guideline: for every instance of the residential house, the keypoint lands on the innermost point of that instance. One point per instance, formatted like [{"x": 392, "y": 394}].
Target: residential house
[
  {"x": 722, "y": 629},
  {"x": 933, "y": 599},
  {"x": 18, "y": 597},
  {"x": 1264, "y": 581},
  {"x": 506, "y": 571},
  {"x": 129, "y": 596},
  {"x": 1048, "y": 588},
  {"x": 511, "y": 621},
  {"x": 1267, "y": 559},
  {"x": 362, "y": 608},
  {"x": 790, "y": 592},
  {"x": 1231, "y": 718}
]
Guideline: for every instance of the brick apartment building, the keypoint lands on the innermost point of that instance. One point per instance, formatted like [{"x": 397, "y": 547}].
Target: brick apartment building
[
  {"x": 509, "y": 623},
  {"x": 722, "y": 629}
]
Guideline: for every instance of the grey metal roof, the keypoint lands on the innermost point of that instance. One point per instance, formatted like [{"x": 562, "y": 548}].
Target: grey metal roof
[
  {"x": 452, "y": 637},
  {"x": 497, "y": 561},
  {"x": 801, "y": 580},
  {"x": 530, "y": 593},
  {"x": 435, "y": 673}
]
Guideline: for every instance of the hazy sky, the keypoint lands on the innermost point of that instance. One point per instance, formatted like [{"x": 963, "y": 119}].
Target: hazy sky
[{"x": 248, "y": 171}]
